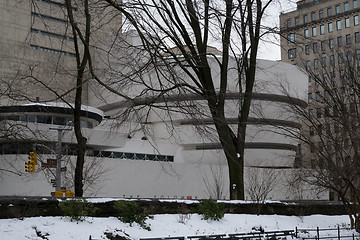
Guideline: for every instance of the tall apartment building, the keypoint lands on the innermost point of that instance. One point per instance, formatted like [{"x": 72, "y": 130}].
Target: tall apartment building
[{"x": 323, "y": 38}]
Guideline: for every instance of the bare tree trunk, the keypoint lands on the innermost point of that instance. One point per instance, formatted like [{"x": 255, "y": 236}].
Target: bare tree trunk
[{"x": 81, "y": 65}]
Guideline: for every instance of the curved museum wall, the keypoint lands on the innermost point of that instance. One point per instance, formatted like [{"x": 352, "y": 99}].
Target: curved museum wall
[{"x": 169, "y": 157}]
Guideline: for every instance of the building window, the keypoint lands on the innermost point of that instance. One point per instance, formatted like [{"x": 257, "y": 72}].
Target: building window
[
  {"x": 319, "y": 129},
  {"x": 349, "y": 56},
  {"x": 326, "y": 78},
  {"x": 347, "y": 22},
  {"x": 306, "y": 33},
  {"x": 357, "y": 54},
  {"x": 318, "y": 113},
  {"x": 329, "y": 11},
  {"x": 318, "y": 96},
  {"x": 316, "y": 63},
  {"x": 355, "y": 4},
  {"x": 337, "y": 9},
  {"x": 357, "y": 37},
  {"x": 322, "y": 29},
  {"x": 346, "y": 7},
  {"x": 321, "y": 148},
  {"x": 313, "y": 16},
  {"x": 348, "y": 39},
  {"x": 311, "y": 113},
  {"x": 327, "y": 125},
  {"x": 356, "y": 20},
  {"x": 292, "y": 38},
  {"x": 292, "y": 53},
  {"x": 338, "y": 25},
  {"x": 311, "y": 130},
  {"x": 332, "y": 60},
  {"x": 342, "y": 74},
  {"x": 308, "y": 65},
  {"x": 341, "y": 59},
  {"x": 351, "y": 90},
  {"x": 323, "y": 46},
  {"x": 288, "y": 23},
  {"x": 310, "y": 98},
  {"x": 330, "y": 27},
  {"x": 331, "y": 43},
  {"x": 314, "y": 33},
  {"x": 307, "y": 49},
  {"x": 315, "y": 47},
  {"x": 339, "y": 41},
  {"x": 309, "y": 82},
  {"x": 323, "y": 61},
  {"x": 335, "y": 111},
  {"x": 333, "y": 76},
  {"x": 317, "y": 81},
  {"x": 321, "y": 14},
  {"x": 342, "y": 92},
  {"x": 297, "y": 21},
  {"x": 306, "y": 20},
  {"x": 326, "y": 97}
]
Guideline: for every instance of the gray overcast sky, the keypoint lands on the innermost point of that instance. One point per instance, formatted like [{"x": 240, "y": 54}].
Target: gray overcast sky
[{"x": 268, "y": 50}]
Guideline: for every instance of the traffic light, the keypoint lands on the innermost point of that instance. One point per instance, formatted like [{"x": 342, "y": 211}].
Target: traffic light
[
  {"x": 29, "y": 167},
  {"x": 33, "y": 158}
]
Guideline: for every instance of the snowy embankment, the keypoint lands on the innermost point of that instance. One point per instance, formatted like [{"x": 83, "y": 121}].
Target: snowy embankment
[{"x": 163, "y": 225}]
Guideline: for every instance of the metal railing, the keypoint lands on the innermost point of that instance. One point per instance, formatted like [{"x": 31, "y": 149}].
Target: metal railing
[
  {"x": 235, "y": 236},
  {"x": 281, "y": 234},
  {"x": 317, "y": 233}
]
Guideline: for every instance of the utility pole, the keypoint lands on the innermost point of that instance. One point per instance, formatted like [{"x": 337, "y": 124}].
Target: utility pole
[{"x": 58, "y": 156}]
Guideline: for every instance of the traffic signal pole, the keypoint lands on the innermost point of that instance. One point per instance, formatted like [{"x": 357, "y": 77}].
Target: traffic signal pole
[{"x": 58, "y": 156}]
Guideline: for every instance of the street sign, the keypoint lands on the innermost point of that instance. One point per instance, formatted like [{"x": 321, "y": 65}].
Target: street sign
[
  {"x": 46, "y": 165},
  {"x": 50, "y": 163}
]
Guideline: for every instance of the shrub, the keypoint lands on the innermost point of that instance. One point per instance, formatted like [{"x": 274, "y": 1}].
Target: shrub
[
  {"x": 77, "y": 209},
  {"x": 211, "y": 209},
  {"x": 130, "y": 212}
]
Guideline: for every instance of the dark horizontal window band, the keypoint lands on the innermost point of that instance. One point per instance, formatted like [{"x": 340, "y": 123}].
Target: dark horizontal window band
[
  {"x": 56, "y": 4},
  {"x": 11, "y": 148},
  {"x": 134, "y": 156},
  {"x": 251, "y": 121},
  {"x": 271, "y": 167},
  {"x": 250, "y": 145},
  {"x": 194, "y": 97},
  {"x": 50, "y": 50},
  {"x": 45, "y": 17},
  {"x": 49, "y": 34},
  {"x": 48, "y": 110}
]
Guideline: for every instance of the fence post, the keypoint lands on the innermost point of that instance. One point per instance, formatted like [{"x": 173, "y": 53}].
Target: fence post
[
  {"x": 296, "y": 230},
  {"x": 318, "y": 234},
  {"x": 90, "y": 237},
  {"x": 339, "y": 232}
]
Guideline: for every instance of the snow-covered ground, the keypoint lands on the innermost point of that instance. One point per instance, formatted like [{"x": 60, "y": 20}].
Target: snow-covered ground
[{"x": 164, "y": 225}]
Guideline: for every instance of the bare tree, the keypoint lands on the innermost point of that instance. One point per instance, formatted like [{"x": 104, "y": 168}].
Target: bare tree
[
  {"x": 178, "y": 34},
  {"x": 215, "y": 182},
  {"x": 260, "y": 184}
]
